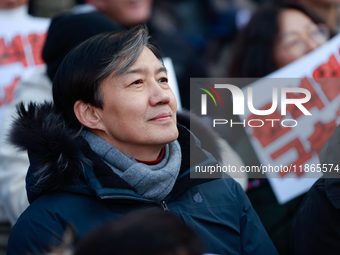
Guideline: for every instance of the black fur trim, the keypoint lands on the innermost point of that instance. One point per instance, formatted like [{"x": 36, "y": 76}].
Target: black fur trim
[{"x": 53, "y": 148}]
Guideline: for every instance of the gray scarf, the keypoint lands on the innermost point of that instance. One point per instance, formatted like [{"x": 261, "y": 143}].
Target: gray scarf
[{"x": 154, "y": 182}]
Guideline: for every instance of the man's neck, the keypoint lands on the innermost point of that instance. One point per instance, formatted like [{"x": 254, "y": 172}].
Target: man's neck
[
  {"x": 144, "y": 154},
  {"x": 154, "y": 162}
]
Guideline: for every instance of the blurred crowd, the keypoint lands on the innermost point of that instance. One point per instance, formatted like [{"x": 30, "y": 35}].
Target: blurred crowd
[{"x": 204, "y": 38}]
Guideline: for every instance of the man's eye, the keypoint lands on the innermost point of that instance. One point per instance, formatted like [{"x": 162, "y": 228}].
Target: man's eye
[
  {"x": 137, "y": 82},
  {"x": 164, "y": 79}
]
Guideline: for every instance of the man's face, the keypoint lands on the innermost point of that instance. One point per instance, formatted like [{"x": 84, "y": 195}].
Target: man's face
[
  {"x": 10, "y": 4},
  {"x": 125, "y": 12},
  {"x": 139, "y": 108}
]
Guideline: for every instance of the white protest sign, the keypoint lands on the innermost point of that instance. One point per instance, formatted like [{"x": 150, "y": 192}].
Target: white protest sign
[
  {"x": 21, "y": 40},
  {"x": 293, "y": 141}
]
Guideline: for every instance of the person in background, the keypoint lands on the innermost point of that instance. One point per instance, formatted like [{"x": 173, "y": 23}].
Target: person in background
[
  {"x": 317, "y": 225},
  {"x": 49, "y": 8},
  {"x": 276, "y": 35},
  {"x": 12, "y": 4},
  {"x": 110, "y": 144},
  {"x": 38, "y": 88},
  {"x": 328, "y": 10},
  {"x": 150, "y": 232},
  {"x": 273, "y": 39},
  {"x": 126, "y": 13},
  {"x": 9, "y": 9}
]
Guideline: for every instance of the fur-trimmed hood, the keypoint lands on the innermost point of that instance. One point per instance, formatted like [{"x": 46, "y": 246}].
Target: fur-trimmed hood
[
  {"x": 53, "y": 149},
  {"x": 60, "y": 159},
  {"x": 41, "y": 131}
]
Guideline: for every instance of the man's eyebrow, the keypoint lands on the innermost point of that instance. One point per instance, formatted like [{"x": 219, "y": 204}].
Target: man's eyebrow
[
  {"x": 162, "y": 69},
  {"x": 142, "y": 70}
]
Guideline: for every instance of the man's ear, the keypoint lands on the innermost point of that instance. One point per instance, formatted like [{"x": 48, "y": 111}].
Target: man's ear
[{"x": 87, "y": 115}]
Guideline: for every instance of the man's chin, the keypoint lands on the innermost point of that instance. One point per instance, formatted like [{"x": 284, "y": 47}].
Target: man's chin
[
  {"x": 175, "y": 136},
  {"x": 171, "y": 136}
]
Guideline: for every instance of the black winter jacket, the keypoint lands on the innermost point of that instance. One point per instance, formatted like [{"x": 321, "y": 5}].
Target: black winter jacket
[{"x": 67, "y": 183}]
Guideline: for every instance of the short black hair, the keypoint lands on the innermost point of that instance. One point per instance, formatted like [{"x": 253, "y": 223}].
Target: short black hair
[{"x": 85, "y": 67}]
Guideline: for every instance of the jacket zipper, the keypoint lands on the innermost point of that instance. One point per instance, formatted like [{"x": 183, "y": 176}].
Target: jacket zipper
[
  {"x": 165, "y": 207},
  {"x": 162, "y": 203},
  {"x": 126, "y": 197}
]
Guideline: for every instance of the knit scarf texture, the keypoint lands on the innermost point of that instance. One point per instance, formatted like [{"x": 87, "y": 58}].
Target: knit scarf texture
[{"x": 153, "y": 182}]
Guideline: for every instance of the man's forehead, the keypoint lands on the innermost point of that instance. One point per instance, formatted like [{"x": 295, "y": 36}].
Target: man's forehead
[{"x": 147, "y": 62}]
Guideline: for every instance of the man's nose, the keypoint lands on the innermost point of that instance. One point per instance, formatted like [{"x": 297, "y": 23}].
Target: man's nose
[{"x": 158, "y": 94}]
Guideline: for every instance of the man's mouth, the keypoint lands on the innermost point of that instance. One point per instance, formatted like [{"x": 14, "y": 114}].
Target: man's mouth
[{"x": 162, "y": 117}]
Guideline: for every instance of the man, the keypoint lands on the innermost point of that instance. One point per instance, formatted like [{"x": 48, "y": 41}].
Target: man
[
  {"x": 64, "y": 33},
  {"x": 110, "y": 145}
]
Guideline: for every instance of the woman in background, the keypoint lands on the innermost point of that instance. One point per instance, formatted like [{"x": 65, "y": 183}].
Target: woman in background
[{"x": 276, "y": 35}]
